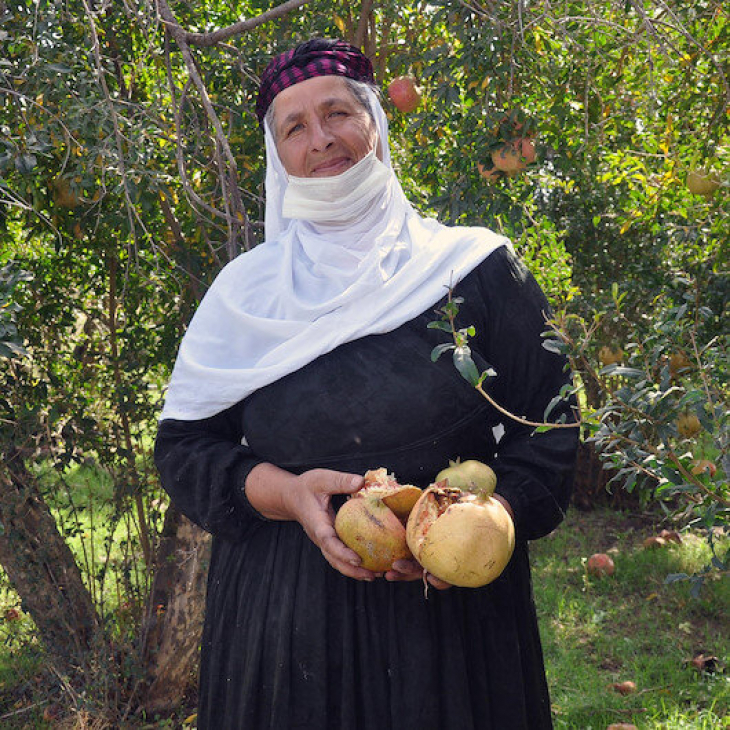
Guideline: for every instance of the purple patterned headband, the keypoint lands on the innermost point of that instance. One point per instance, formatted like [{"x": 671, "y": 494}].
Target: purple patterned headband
[{"x": 318, "y": 57}]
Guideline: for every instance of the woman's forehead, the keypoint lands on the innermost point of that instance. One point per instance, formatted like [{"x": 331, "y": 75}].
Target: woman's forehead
[{"x": 316, "y": 90}]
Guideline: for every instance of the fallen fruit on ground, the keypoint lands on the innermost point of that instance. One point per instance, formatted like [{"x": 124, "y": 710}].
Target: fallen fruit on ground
[
  {"x": 372, "y": 521},
  {"x": 462, "y": 538},
  {"x": 705, "y": 663},
  {"x": 652, "y": 543},
  {"x": 472, "y": 475},
  {"x": 671, "y": 536},
  {"x": 624, "y": 688},
  {"x": 404, "y": 93},
  {"x": 600, "y": 565}
]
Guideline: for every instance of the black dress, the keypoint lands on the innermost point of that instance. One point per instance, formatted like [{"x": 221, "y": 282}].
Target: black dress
[{"x": 291, "y": 643}]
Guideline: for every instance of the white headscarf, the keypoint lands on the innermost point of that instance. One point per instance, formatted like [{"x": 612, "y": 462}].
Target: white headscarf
[{"x": 313, "y": 286}]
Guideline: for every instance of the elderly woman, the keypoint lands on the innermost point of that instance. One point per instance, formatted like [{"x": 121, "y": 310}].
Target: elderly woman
[{"x": 308, "y": 363}]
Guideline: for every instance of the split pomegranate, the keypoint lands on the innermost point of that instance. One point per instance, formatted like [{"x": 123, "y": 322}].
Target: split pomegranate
[
  {"x": 372, "y": 521},
  {"x": 462, "y": 538}
]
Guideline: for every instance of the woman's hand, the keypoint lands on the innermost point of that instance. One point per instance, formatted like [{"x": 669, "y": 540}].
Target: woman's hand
[
  {"x": 411, "y": 570},
  {"x": 306, "y": 498},
  {"x": 311, "y": 503}
]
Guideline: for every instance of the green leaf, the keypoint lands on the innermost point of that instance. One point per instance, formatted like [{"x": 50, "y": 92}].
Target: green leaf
[
  {"x": 675, "y": 577},
  {"x": 626, "y": 372},
  {"x": 439, "y": 325},
  {"x": 559, "y": 348},
  {"x": 465, "y": 365},
  {"x": 440, "y": 350},
  {"x": 548, "y": 410}
]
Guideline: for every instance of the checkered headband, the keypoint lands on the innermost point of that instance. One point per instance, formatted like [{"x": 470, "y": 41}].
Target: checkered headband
[{"x": 318, "y": 57}]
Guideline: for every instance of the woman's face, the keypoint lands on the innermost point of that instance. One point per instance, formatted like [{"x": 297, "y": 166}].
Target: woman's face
[{"x": 320, "y": 128}]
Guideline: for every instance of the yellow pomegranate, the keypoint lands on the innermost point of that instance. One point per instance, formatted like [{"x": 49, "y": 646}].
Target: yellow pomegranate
[
  {"x": 703, "y": 182},
  {"x": 471, "y": 475},
  {"x": 462, "y": 538},
  {"x": 688, "y": 425},
  {"x": 372, "y": 521},
  {"x": 610, "y": 355}
]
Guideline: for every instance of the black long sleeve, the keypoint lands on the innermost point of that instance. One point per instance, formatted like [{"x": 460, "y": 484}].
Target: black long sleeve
[{"x": 203, "y": 467}]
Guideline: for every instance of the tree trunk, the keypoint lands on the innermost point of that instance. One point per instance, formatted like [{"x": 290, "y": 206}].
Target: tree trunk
[
  {"x": 590, "y": 487},
  {"x": 177, "y": 607},
  {"x": 42, "y": 568}
]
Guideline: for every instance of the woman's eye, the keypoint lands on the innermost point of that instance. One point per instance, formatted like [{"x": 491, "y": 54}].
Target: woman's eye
[{"x": 294, "y": 129}]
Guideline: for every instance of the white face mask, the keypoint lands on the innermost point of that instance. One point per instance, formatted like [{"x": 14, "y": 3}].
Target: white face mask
[{"x": 338, "y": 198}]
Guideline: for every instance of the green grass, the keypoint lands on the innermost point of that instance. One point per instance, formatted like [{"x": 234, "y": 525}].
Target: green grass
[{"x": 631, "y": 626}]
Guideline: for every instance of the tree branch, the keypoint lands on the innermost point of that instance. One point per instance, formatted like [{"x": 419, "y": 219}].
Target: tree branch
[
  {"x": 362, "y": 24},
  {"x": 205, "y": 40},
  {"x": 235, "y": 212}
]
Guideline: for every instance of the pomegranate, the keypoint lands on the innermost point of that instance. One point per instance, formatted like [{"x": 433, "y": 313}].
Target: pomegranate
[
  {"x": 514, "y": 156},
  {"x": 702, "y": 182},
  {"x": 404, "y": 93},
  {"x": 671, "y": 536},
  {"x": 462, "y": 538},
  {"x": 610, "y": 355},
  {"x": 490, "y": 175},
  {"x": 527, "y": 146},
  {"x": 699, "y": 466},
  {"x": 624, "y": 688},
  {"x": 471, "y": 475},
  {"x": 372, "y": 521},
  {"x": 600, "y": 565},
  {"x": 688, "y": 425}
]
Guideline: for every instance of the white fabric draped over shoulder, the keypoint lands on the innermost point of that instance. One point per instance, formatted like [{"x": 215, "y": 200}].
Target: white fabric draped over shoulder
[{"x": 313, "y": 286}]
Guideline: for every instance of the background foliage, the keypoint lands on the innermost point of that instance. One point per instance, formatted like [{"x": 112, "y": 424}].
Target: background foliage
[{"x": 131, "y": 171}]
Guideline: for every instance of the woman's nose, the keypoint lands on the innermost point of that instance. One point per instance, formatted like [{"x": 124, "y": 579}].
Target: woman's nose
[{"x": 321, "y": 137}]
